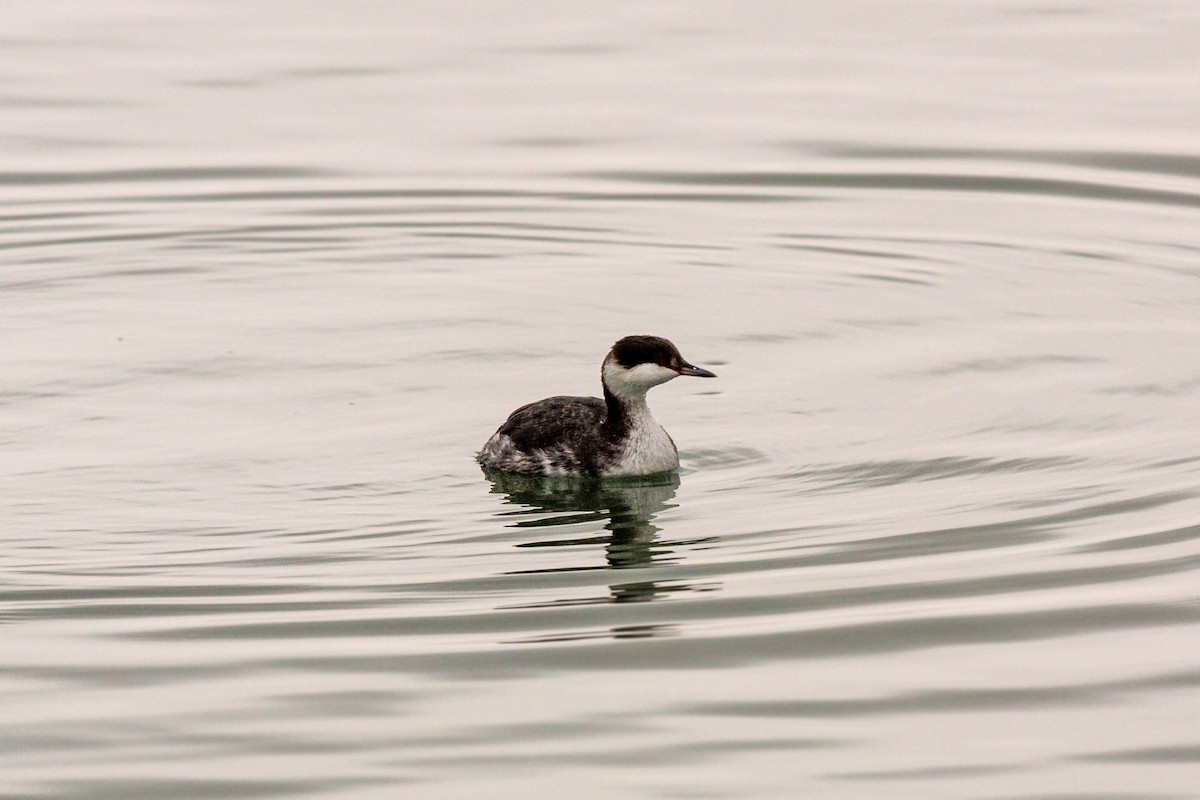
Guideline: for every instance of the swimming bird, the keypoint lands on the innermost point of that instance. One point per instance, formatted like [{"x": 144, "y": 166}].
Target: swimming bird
[{"x": 616, "y": 436}]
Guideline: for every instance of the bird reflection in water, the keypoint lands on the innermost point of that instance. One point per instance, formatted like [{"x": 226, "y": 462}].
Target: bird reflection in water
[{"x": 627, "y": 507}]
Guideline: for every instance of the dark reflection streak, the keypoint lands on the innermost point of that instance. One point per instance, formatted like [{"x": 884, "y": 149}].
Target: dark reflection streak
[
  {"x": 682, "y": 197},
  {"x": 1176, "y": 389},
  {"x": 661, "y": 586},
  {"x": 8, "y": 220},
  {"x": 926, "y": 773},
  {"x": 999, "y": 184},
  {"x": 1003, "y": 365},
  {"x": 569, "y": 519},
  {"x": 1177, "y": 754},
  {"x": 681, "y": 653},
  {"x": 700, "y": 653},
  {"x": 638, "y": 756},
  {"x": 616, "y": 632},
  {"x": 96, "y": 239},
  {"x": 869, "y": 276},
  {"x": 143, "y": 593},
  {"x": 288, "y": 234},
  {"x": 951, "y": 700},
  {"x": 586, "y": 540},
  {"x": 163, "y": 174},
  {"x": 183, "y": 788},
  {"x": 451, "y": 194},
  {"x": 514, "y": 237},
  {"x": 326, "y": 194},
  {"x": 1012, "y": 533},
  {"x": 432, "y": 225},
  {"x": 1178, "y": 164},
  {"x": 850, "y": 251},
  {"x": 898, "y": 471},
  {"x": 558, "y": 570},
  {"x": 1157, "y": 539},
  {"x": 810, "y": 602},
  {"x": 145, "y": 610}
]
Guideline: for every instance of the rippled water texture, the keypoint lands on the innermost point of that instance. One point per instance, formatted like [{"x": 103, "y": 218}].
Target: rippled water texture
[{"x": 273, "y": 271}]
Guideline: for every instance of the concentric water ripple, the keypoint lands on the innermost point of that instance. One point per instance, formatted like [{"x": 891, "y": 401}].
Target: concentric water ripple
[{"x": 273, "y": 278}]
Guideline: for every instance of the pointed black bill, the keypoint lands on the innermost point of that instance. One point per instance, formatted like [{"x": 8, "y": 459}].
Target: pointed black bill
[{"x": 698, "y": 372}]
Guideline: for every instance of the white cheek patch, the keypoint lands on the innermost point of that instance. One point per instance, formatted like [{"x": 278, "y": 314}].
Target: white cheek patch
[
  {"x": 637, "y": 379},
  {"x": 651, "y": 375}
]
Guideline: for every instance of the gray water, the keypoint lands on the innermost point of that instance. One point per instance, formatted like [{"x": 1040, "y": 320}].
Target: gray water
[{"x": 272, "y": 272}]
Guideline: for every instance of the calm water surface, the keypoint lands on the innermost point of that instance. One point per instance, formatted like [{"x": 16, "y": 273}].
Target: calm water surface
[{"x": 272, "y": 272}]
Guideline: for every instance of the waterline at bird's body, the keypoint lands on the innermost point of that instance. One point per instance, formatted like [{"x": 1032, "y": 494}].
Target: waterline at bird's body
[{"x": 616, "y": 436}]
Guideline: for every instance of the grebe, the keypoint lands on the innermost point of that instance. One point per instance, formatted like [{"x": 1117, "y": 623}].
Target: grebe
[{"x": 612, "y": 437}]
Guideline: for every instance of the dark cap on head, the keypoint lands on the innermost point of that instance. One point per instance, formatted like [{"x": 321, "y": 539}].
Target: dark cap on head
[{"x": 634, "y": 350}]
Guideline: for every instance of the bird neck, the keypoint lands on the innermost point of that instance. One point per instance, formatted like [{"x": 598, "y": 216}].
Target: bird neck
[{"x": 624, "y": 409}]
